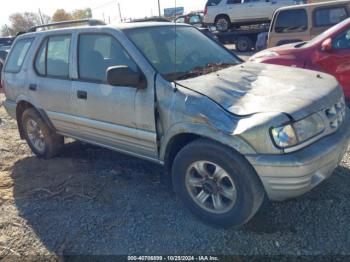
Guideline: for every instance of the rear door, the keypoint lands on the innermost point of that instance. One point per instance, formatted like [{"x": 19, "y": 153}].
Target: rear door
[
  {"x": 49, "y": 83},
  {"x": 337, "y": 61}
]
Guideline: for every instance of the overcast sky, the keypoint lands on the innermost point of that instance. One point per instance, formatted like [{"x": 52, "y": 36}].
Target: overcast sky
[{"x": 100, "y": 8}]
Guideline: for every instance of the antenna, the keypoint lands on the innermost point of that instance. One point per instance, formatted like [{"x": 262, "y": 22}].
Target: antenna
[
  {"x": 120, "y": 13},
  {"x": 175, "y": 39}
]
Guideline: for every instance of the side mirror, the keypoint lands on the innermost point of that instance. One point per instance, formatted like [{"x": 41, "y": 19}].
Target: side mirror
[
  {"x": 124, "y": 76},
  {"x": 327, "y": 45}
]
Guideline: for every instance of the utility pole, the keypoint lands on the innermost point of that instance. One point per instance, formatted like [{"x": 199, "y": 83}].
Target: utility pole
[
  {"x": 41, "y": 17},
  {"x": 159, "y": 12},
  {"x": 7, "y": 29},
  {"x": 120, "y": 13}
]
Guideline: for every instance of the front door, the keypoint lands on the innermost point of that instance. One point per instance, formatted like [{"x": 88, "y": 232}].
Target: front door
[
  {"x": 337, "y": 61},
  {"x": 108, "y": 115}
]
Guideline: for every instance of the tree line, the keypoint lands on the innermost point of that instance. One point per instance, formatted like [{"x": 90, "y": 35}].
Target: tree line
[{"x": 21, "y": 22}]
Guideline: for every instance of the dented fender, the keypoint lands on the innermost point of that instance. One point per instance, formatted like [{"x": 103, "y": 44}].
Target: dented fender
[{"x": 184, "y": 111}]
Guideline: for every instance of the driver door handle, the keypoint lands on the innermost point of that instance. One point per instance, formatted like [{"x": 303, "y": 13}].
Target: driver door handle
[
  {"x": 33, "y": 87},
  {"x": 82, "y": 94}
]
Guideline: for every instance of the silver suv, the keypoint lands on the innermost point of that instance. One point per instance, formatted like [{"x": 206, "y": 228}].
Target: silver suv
[{"x": 228, "y": 133}]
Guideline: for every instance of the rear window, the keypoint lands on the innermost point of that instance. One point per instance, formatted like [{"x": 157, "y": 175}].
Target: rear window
[
  {"x": 17, "y": 55},
  {"x": 329, "y": 16},
  {"x": 291, "y": 21}
]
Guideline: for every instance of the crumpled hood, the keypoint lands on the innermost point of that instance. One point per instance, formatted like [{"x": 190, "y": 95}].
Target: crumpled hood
[{"x": 252, "y": 88}]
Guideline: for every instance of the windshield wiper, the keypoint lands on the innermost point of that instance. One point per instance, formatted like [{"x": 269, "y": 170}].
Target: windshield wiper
[
  {"x": 300, "y": 44},
  {"x": 201, "y": 70}
]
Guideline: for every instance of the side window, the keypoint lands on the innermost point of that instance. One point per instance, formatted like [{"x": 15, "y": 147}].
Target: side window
[
  {"x": 329, "y": 16},
  {"x": 232, "y": 2},
  {"x": 291, "y": 21},
  {"x": 195, "y": 19},
  {"x": 57, "y": 61},
  {"x": 17, "y": 55},
  {"x": 40, "y": 61},
  {"x": 213, "y": 2},
  {"x": 251, "y": 1},
  {"x": 52, "y": 59},
  {"x": 342, "y": 41},
  {"x": 180, "y": 20},
  {"x": 98, "y": 52}
]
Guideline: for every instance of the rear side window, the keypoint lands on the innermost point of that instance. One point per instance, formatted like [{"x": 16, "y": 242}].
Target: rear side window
[
  {"x": 291, "y": 21},
  {"x": 17, "y": 55},
  {"x": 252, "y": 1},
  {"x": 329, "y": 16},
  {"x": 213, "y": 2},
  {"x": 98, "y": 52},
  {"x": 195, "y": 19},
  {"x": 231, "y": 2},
  {"x": 52, "y": 59},
  {"x": 180, "y": 20}
]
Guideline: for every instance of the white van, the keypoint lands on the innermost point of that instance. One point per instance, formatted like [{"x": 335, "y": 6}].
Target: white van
[{"x": 227, "y": 13}]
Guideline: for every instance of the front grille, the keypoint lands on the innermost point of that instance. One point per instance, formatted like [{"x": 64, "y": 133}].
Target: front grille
[{"x": 336, "y": 114}]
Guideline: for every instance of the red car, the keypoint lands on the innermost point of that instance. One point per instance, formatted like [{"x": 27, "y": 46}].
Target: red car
[{"x": 328, "y": 52}]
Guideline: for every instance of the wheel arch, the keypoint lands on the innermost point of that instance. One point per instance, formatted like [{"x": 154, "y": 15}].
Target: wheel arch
[
  {"x": 222, "y": 14},
  {"x": 181, "y": 135},
  {"x": 23, "y": 105}
]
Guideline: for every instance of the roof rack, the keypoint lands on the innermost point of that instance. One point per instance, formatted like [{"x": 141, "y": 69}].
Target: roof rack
[{"x": 90, "y": 22}]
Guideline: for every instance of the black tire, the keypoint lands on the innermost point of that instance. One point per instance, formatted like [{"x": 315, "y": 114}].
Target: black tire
[
  {"x": 52, "y": 142},
  {"x": 249, "y": 189},
  {"x": 219, "y": 23},
  {"x": 244, "y": 44}
]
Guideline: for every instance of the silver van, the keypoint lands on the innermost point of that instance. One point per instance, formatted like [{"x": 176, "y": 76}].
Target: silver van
[{"x": 228, "y": 133}]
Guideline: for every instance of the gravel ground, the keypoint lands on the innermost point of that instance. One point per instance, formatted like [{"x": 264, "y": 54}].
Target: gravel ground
[{"x": 92, "y": 201}]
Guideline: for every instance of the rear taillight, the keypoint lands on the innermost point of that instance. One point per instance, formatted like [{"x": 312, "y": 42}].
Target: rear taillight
[{"x": 206, "y": 10}]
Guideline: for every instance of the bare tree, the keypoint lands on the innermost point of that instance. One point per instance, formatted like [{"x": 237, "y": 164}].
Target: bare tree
[{"x": 21, "y": 22}]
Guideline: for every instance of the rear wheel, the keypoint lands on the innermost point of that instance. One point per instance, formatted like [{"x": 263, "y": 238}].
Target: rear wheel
[
  {"x": 216, "y": 183},
  {"x": 222, "y": 23},
  {"x": 244, "y": 44},
  {"x": 43, "y": 142}
]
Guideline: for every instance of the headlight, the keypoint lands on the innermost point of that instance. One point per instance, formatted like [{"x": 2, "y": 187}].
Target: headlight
[
  {"x": 292, "y": 134},
  {"x": 309, "y": 127},
  {"x": 284, "y": 136}
]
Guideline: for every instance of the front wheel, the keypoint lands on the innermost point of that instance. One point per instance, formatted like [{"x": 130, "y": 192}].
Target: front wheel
[
  {"x": 43, "y": 142},
  {"x": 216, "y": 183}
]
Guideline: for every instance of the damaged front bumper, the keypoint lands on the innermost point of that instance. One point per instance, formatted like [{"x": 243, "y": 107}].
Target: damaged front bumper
[{"x": 291, "y": 175}]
